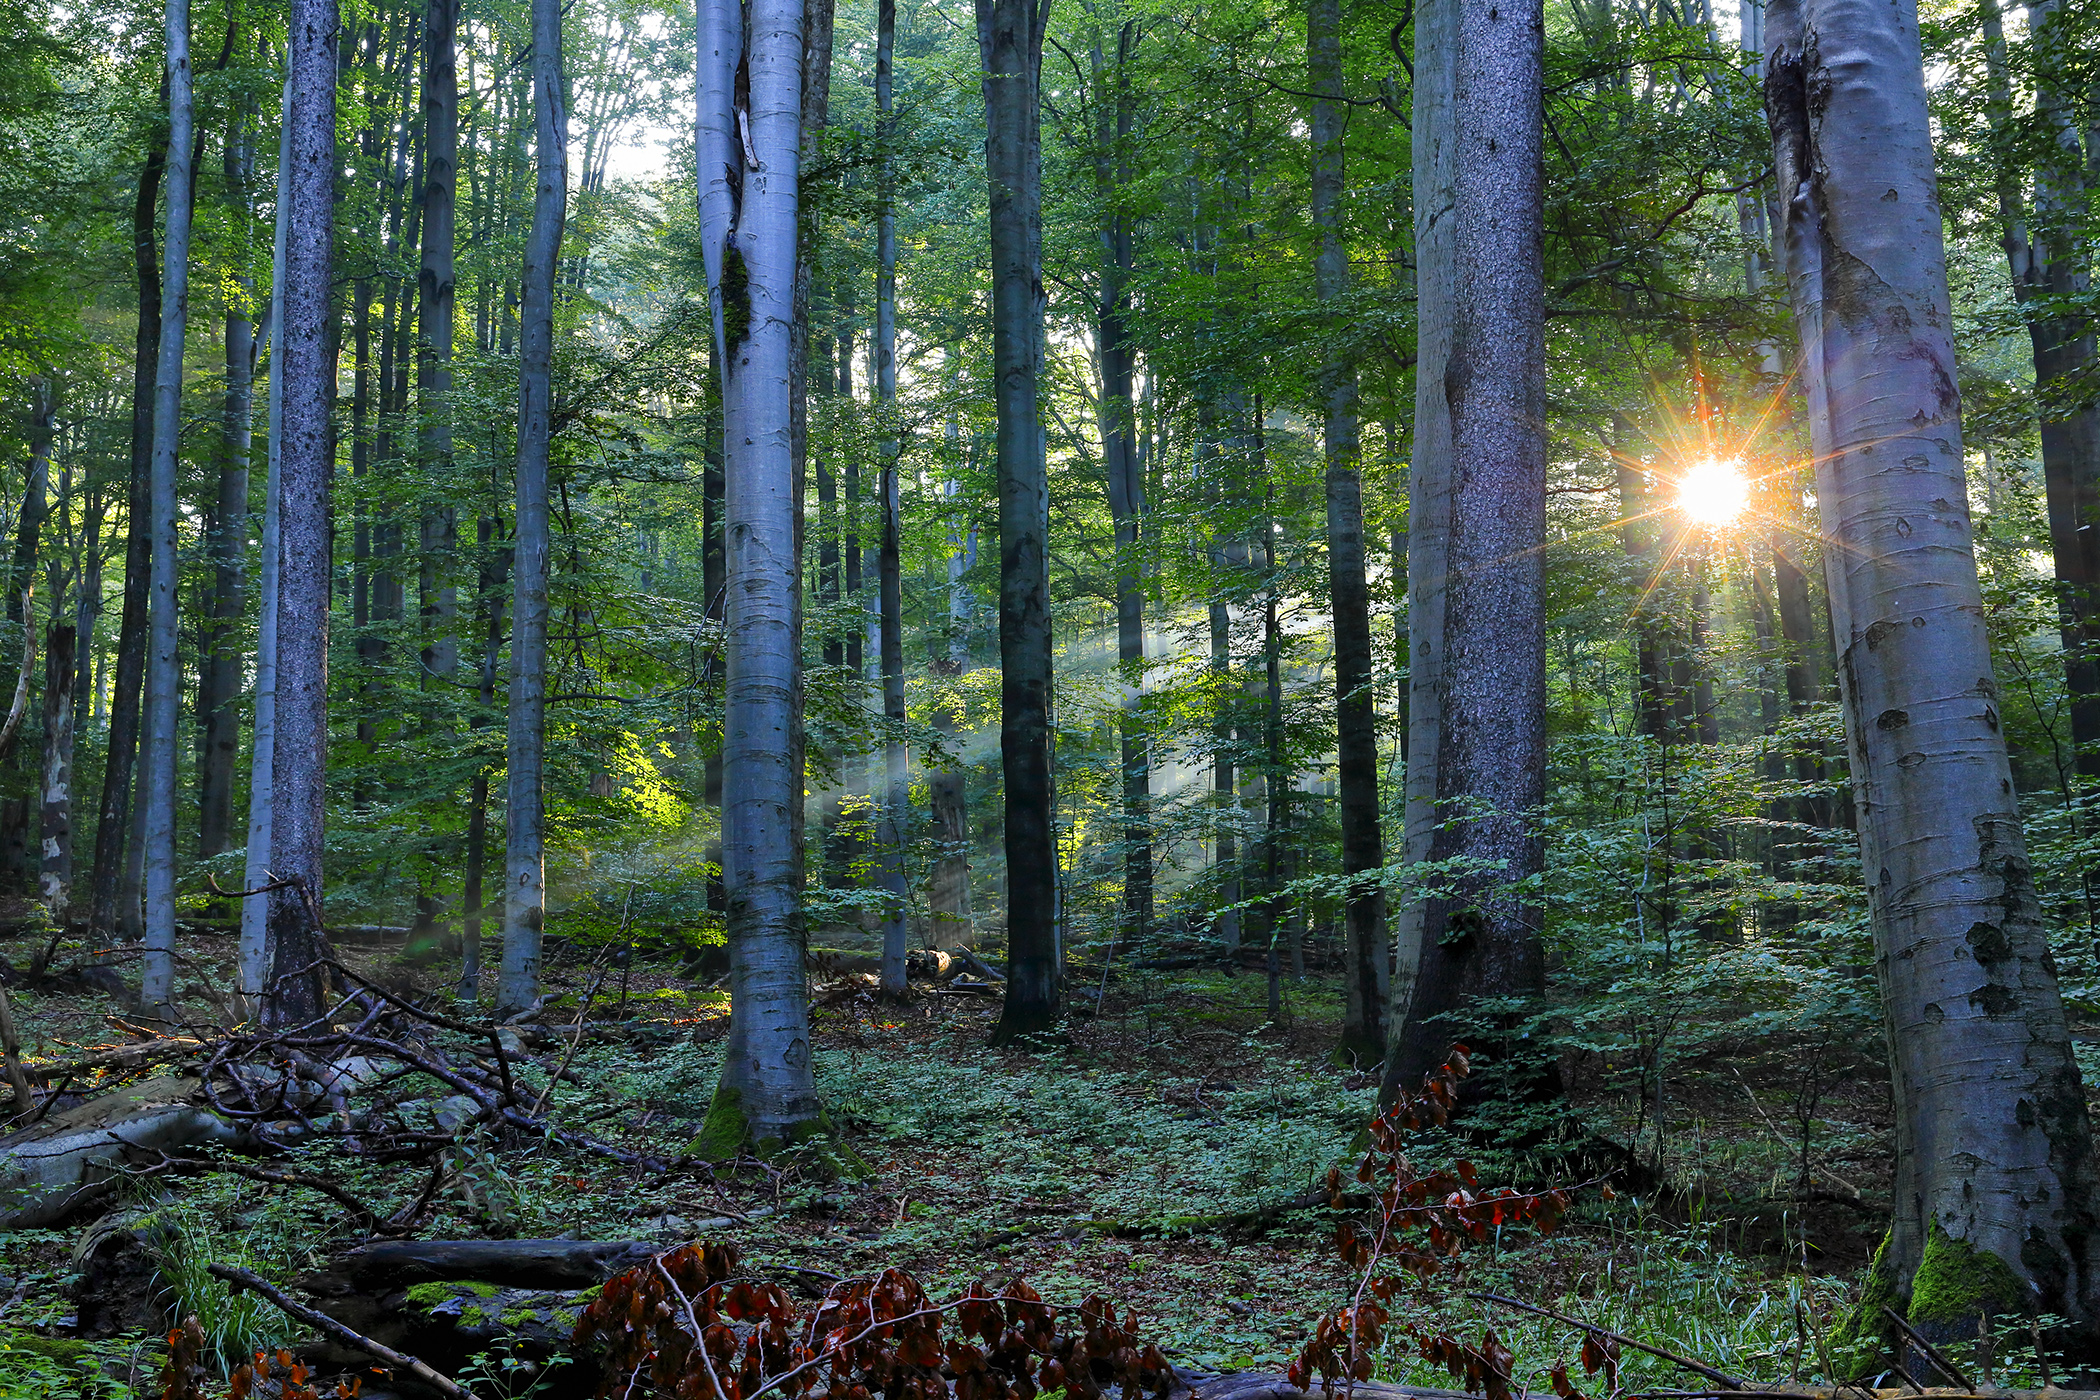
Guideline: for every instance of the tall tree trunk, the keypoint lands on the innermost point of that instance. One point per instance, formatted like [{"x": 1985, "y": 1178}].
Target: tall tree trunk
[
  {"x": 948, "y": 897},
  {"x": 87, "y": 606},
  {"x": 21, "y": 586},
  {"x": 1124, "y": 462},
  {"x": 748, "y": 220},
  {"x": 219, "y": 685},
  {"x": 164, "y": 667},
  {"x": 1276, "y": 826},
  {"x": 306, "y": 449},
  {"x": 435, "y": 283},
  {"x": 55, "y": 825},
  {"x": 1366, "y": 962},
  {"x": 1476, "y": 779},
  {"x": 361, "y": 526},
  {"x": 493, "y": 573},
  {"x": 853, "y": 774},
  {"x": 1224, "y": 554},
  {"x": 889, "y": 563},
  {"x": 255, "y": 910},
  {"x": 1010, "y": 41},
  {"x": 1651, "y": 677},
  {"x": 55, "y": 874},
  {"x": 525, "y": 894},
  {"x": 829, "y": 595},
  {"x": 2043, "y": 254},
  {"x": 113, "y": 819},
  {"x": 1994, "y": 1184},
  {"x": 814, "y": 108}
]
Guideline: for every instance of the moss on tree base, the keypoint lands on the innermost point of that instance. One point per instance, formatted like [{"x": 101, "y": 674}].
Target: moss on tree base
[
  {"x": 1954, "y": 1284},
  {"x": 1956, "y": 1281},
  {"x": 815, "y": 1146}
]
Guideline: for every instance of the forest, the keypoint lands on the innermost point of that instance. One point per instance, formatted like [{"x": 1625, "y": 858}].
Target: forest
[{"x": 1224, "y": 700}]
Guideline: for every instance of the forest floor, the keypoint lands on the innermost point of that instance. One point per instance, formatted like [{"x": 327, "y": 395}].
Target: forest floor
[{"x": 1144, "y": 1159}]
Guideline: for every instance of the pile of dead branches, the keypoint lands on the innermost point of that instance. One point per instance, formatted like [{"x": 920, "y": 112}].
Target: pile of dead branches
[{"x": 383, "y": 1078}]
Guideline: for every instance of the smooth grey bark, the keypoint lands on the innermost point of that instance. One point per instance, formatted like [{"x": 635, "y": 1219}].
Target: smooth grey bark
[
  {"x": 888, "y": 563},
  {"x": 714, "y": 576},
  {"x": 749, "y": 209},
  {"x": 255, "y": 909},
  {"x": 1276, "y": 783},
  {"x": 1366, "y": 969},
  {"x": 1993, "y": 1147},
  {"x": 1010, "y": 42},
  {"x": 1228, "y": 469},
  {"x": 1477, "y": 755},
  {"x": 163, "y": 668},
  {"x": 306, "y": 362},
  {"x": 55, "y": 828},
  {"x": 525, "y": 892},
  {"x": 948, "y": 894},
  {"x": 1124, "y": 463}
]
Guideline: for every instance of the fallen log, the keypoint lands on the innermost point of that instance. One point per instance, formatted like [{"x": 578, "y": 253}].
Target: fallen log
[
  {"x": 49, "y": 1171},
  {"x": 544, "y": 1264},
  {"x": 134, "y": 1056}
]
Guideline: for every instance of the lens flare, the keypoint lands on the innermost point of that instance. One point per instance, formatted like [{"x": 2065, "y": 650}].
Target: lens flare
[{"x": 1714, "y": 492}]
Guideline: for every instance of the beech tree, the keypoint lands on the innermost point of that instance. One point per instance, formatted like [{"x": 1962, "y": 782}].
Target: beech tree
[
  {"x": 1366, "y": 977},
  {"x": 255, "y": 874},
  {"x": 896, "y": 788},
  {"x": 163, "y": 675},
  {"x": 1114, "y": 116},
  {"x": 525, "y": 892},
  {"x": 749, "y": 137},
  {"x": 1010, "y": 37},
  {"x": 1995, "y": 1186}
]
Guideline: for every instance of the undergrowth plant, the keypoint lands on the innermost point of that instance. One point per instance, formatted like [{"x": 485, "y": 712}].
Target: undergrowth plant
[
  {"x": 230, "y": 1325},
  {"x": 697, "y": 1327},
  {"x": 1423, "y": 1220}
]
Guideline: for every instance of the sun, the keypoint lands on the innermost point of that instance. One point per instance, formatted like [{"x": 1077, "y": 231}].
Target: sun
[{"x": 1714, "y": 491}]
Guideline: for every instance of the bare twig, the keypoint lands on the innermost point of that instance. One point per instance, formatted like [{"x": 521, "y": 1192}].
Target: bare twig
[
  {"x": 1720, "y": 1378},
  {"x": 1932, "y": 1353},
  {"x": 374, "y": 1221},
  {"x": 699, "y": 1333},
  {"x": 539, "y": 1105},
  {"x": 395, "y": 1360}
]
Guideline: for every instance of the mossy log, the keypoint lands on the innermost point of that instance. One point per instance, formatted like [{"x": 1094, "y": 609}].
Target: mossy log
[{"x": 540, "y": 1264}]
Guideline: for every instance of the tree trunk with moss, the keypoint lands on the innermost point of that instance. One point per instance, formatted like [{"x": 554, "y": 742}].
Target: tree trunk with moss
[
  {"x": 1994, "y": 1183},
  {"x": 749, "y": 147}
]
